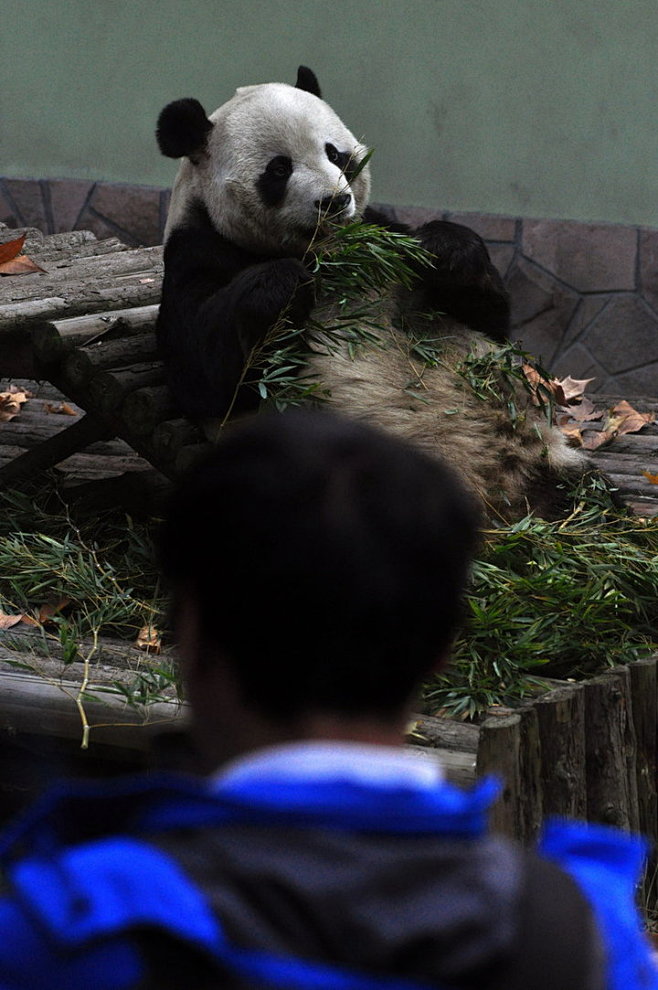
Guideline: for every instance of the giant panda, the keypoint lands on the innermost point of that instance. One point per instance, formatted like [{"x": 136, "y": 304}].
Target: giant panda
[{"x": 259, "y": 176}]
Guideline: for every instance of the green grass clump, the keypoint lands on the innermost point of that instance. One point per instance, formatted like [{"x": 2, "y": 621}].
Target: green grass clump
[
  {"x": 553, "y": 600},
  {"x": 103, "y": 564}
]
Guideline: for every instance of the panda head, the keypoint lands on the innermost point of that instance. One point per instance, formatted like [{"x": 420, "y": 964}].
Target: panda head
[{"x": 269, "y": 166}]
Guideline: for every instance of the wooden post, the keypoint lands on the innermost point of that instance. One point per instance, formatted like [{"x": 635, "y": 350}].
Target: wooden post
[
  {"x": 610, "y": 751},
  {"x": 644, "y": 703},
  {"x": 532, "y": 793},
  {"x": 644, "y": 700},
  {"x": 499, "y": 754},
  {"x": 561, "y": 720}
]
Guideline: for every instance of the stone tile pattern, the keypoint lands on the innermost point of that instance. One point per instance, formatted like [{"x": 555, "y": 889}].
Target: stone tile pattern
[{"x": 584, "y": 296}]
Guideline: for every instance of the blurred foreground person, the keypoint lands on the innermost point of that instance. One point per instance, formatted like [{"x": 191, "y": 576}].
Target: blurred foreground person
[{"x": 317, "y": 568}]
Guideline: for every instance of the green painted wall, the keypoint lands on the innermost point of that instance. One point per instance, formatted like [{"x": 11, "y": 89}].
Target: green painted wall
[{"x": 534, "y": 107}]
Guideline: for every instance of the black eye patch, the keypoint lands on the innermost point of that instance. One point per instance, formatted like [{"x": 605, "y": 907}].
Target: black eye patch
[
  {"x": 271, "y": 184},
  {"x": 345, "y": 160}
]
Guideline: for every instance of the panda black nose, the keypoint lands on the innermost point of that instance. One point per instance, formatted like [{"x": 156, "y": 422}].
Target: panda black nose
[{"x": 333, "y": 204}]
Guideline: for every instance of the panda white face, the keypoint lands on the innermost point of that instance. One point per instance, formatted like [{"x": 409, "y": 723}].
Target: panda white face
[{"x": 275, "y": 162}]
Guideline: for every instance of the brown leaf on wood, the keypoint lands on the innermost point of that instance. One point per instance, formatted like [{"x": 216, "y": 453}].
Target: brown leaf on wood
[
  {"x": 11, "y": 402},
  {"x": 592, "y": 439},
  {"x": 585, "y": 411},
  {"x": 60, "y": 409},
  {"x": 11, "y": 249},
  {"x": 625, "y": 419},
  {"x": 12, "y": 262},
  {"x": 651, "y": 478},
  {"x": 47, "y": 611},
  {"x": 149, "y": 639},
  {"x": 538, "y": 383},
  {"x": 22, "y": 265},
  {"x": 574, "y": 388},
  {"x": 7, "y": 621}
]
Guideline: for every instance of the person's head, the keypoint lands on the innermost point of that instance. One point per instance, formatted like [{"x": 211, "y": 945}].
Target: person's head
[{"x": 322, "y": 562}]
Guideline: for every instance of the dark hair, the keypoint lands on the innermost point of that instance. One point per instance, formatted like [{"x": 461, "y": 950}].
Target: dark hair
[{"x": 327, "y": 561}]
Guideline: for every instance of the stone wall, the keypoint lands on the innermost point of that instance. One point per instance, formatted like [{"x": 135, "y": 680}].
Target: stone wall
[{"x": 584, "y": 296}]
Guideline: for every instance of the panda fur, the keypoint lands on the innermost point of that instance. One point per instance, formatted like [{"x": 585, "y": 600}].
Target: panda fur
[{"x": 259, "y": 177}]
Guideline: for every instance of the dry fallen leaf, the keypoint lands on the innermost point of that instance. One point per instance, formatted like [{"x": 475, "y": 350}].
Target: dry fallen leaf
[
  {"x": 59, "y": 408},
  {"x": 46, "y": 612},
  {"x": 149, "y": 639},
  {"x": 651, "y": 478},
  {"x": 621, "y": 419},
  {"x": 11, "y": 249},
  {"x": 592, "y": 439},
  {"x": 625, "y": 419},
  {"x": 7, "y": 621},
  {"x": 12, "y": 262},
  {"x": 585, "y": 411},
  {"x": 537, "y": 382},
  {"x": 11, "y": 402},
  {"x": 573, "y": 388}
]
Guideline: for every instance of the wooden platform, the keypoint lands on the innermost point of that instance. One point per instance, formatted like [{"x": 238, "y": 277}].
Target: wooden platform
[{"x": 86, "y": 328}]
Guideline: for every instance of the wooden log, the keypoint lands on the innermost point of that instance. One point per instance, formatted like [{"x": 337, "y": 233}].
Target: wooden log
[
  {"x": 630, "y": 740},
  {"x": 108, "y": 389},
  {"x": 532, "y": 793},
  {"x": 561, "y": 720},
  {"x": 28, "y": 430},
  {"x": 60, "y": 254},
  {"x": 499, "y": 754},
  {"x": 51, "y": 339},
  {"x": 444, "y": 733},
  {"x": 76, "y": 437},
  {"x": 144, "y": 408},
  {"x": 459, "y": 768},
  {"x": 32, "y": 704},
  {"x": 188, "y": 455},
  {"x": 125, "y": 280},
  {"x": 84, "y": 362},
  {"x": 172, "y": 434},
  {"x": 644, "y": 703},
  {"x": 611, "y": 788},
  {"x": 87, "y": 275},
  {"x": 141, "y": 493}
]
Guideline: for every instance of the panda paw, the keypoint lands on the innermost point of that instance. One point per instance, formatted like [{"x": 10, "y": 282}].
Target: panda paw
[
  {"x": 461, "y": 257},
  {"x": 272, "y": 290}
]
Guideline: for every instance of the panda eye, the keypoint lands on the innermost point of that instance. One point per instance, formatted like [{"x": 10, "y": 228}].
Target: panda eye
[
  {"x": 333, "y": 154},
  {"x": 280, "y": 167}
]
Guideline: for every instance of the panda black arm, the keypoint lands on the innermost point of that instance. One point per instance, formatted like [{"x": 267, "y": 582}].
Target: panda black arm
[
  {"x": 218, "y": 302},
  {"x": 464, "y": 283}
]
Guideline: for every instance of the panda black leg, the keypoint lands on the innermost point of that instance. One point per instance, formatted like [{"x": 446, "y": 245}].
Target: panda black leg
[{"x": 464, "y": 283}]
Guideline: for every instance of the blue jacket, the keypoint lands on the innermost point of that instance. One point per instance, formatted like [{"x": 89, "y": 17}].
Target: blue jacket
[{"x": 90, "y": 906}]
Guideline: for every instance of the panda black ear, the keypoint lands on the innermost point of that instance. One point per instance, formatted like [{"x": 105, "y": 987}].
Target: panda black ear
[
  {"x": 308, "y": 81},
  {"x": 182, "y": 129}
]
